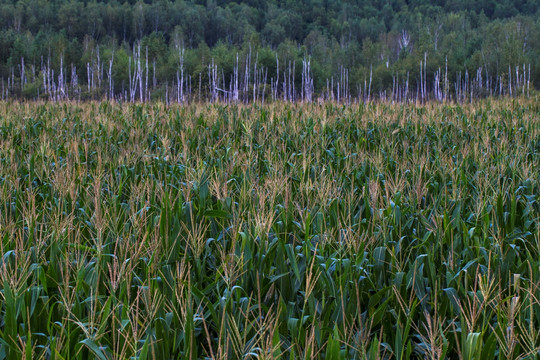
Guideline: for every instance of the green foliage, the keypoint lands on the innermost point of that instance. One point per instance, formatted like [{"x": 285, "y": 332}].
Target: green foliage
[
  {"x": 282, "y": 231},
  {"x": 457, "y": 35}
]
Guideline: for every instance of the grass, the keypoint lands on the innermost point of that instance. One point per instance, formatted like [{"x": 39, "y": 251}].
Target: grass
[{"x": 285, "y": 231}]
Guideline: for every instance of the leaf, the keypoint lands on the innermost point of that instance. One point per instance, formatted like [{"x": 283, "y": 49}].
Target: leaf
[
  {"x": 94, "y": 348},
  {"x": 333, "y": 348},
  {"x": 472, "y": 346},
  {"x": 454, "y": 299},
  {"x": 220, "y": 214},
  {"x": 144, "y": 351}
]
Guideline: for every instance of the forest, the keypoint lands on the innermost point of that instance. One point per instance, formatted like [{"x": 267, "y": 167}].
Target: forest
[{"x": 341, "y": 50}]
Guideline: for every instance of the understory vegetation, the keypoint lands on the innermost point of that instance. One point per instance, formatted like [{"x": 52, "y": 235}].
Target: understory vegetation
[{"x": 371, "y": 231}]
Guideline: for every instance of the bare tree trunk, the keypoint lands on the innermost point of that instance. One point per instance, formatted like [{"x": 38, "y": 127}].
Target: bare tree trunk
[
  {"x": 255, "y": 78},
  {"x": 88, "y": 75},
  {"x": 181, "y": 87},
  {"x": 370, "y": 78},
  {"x": 139, "y": 73},
  {"x": 146, "y": 78},
  {"x": 277, "y": 78},
  {"x": 425, "y": 76},
  {"x": 264, "y": 85},
  {"x": 528, "y": 79},
  {"x": 407, "y": 87},
  {"x": 130, "y": 81},
  {"x": 154, "y": 80},
  {"x": 22, "y": 74},
  {"x": 446, "y": 79},
  {"x": 421, "y": 82},
  {"x": 111, "y": 90},
  {"x": 509, "y": 81}
]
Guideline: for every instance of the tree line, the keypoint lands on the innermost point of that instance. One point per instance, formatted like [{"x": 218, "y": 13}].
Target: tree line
[{"x": 340, "y": 50}]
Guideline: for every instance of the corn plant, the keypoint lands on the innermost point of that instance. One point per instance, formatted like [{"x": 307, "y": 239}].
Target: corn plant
[{"x": 370, "y": 231}]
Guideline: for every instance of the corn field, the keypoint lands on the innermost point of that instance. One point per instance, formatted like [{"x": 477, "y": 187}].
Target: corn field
[{"x": 279, "y": 231}]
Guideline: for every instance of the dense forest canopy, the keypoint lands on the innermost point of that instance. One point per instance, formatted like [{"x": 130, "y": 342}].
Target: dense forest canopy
[{"x": 386, "y": 43}]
